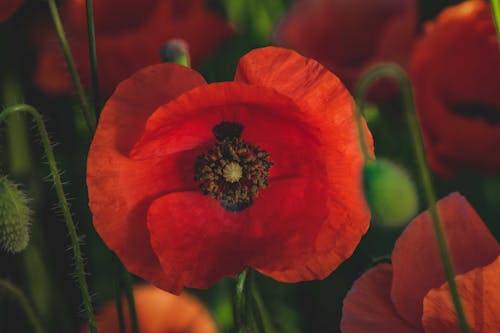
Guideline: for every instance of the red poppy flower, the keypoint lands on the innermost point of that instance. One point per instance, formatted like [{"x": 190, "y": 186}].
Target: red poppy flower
[
  {"x": 411, "y": 295},
  {"x": 455, "y": 70},
  {"x": 158, "y": 312},
  {"x": 8, "y": 8},
  {"x": 190, "y": 182},
  {"x": 349, "y": 36},
  {"x": 129, "y": 36}
]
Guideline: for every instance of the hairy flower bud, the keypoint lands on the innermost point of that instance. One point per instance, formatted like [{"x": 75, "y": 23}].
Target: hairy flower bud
[
  {"x": 15, "y": 216},
  {"x": 390, "y": 193}
]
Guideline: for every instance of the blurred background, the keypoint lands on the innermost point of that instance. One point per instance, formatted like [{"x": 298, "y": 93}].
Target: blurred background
[{"x": 44, "y": 271}]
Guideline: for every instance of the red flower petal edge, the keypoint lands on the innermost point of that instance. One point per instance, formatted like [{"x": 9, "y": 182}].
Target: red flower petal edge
[{"x": 300, "y": 225}]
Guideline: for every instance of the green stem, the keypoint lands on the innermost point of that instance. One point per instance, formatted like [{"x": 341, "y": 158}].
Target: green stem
[
  {"x": 127, "y": 282},
  {"x": 70, "y": 225},
  {"x": 93, "y": 53},
  {"x": 397, "y": 73},
  {"x": 260, "y": 307},
  {"x": 21, "y": 299},
  {"x": 240, "y": 301},
  {"x": 495, "y": 8},
  {"x": 63, "y": 42},
  {"x": 358, "y": 117}
]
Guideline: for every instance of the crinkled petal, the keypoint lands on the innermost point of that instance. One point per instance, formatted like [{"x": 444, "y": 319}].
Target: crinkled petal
[
  {"x": 198, "y": 242},
  {"x": 368, "y": 307},
  {"x": 451, "y": 96},
  {"x": 479, "y": 292},
  {"x": 415, "y": 260},
  {"x": 120, "y": 189},
  {"x": 322, "y": 98}
]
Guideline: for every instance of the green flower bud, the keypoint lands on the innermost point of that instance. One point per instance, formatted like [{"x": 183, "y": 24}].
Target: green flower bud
[
  {"x": 176, "y": 50},
  {"x": 390, "y": 193},
  {"x": 15, "y": 217}
]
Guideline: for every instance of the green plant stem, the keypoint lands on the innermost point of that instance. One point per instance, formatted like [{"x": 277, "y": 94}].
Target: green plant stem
[
  {"x": 495, "y": 9},
  {"x": 397, "y": 73},
  {"x": 250, "y": 312},
  {"x": 240, "y": 301},
  {"x": 70, "y": 225},
  {"x": 127, "y": 283},
  {"x": 21, "y": 299},
  {"x": 93, "y": 54},
  {"x": 260, "y": 307},
  {"x": 63, "y": 42},
  {"x": 358, "y": 117}
]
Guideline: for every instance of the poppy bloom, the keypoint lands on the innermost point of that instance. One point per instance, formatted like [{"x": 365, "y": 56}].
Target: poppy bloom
[
  {"x": 8, "y": 8},
  {"x": 412, "y": 295},
  {"x": 350, "y": 36},
  {"x": 129, "y": 36},
  {"x": 455, "y": 70},
  {"x": 158, "y": 312},
  {"x": 190, "y": 182}
]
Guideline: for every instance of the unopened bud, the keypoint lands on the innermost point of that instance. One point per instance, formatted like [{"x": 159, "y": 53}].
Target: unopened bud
[
  {"x": 176, "y": 50},
  {"x": 390, "y": 193},
  {"x": 15, "y": 216}
]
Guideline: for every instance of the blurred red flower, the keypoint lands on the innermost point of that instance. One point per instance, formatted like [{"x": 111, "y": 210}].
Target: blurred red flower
[
  {"x": 455, "y": 69},
  {"x": 350, "y": 36},
  {"x": 190, "y": 182},
  {"x": 8, "y": 8},
  {"x": 412, "y": 296},
  {"x": 158, "y": 312},
  {"x": 129, "y": 35}
]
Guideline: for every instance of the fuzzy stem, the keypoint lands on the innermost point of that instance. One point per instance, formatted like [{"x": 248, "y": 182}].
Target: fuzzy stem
[
  {"x": 260, "y": 307},
  {"x": 240, "y": 301},
  {"x": 397, "y": 73},
  {"x": 495, "y": 9},
  {"x": 63, "y": 42},
  {"x": 21, "y": 299},
  {"x": 70, "y": 225},
  {"x": 93, "y": 53}
]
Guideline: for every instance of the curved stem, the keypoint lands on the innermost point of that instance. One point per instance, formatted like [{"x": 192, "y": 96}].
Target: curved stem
[
  {"x": 63, "y": 42},
  {"x": 19, "y": 296},
  {"x": 397, "y": 73},
  {"x": 240, "y": 301},
  {"x": 495, "y": 9},
  {"x": 70, "y": 225},
  {"x": 93, "y": 53}
]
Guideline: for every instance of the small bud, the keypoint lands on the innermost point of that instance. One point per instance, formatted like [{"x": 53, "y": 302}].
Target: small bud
[
  {"x": 176, "y": 50},
  {"x": 390, "y": 193},
  {"x": 15, "y": 217}
]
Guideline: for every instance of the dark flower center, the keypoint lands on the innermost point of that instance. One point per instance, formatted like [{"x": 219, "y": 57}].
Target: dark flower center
[
  {"x": 488, "y": 113},
  {"x": 232, "y": 171}
]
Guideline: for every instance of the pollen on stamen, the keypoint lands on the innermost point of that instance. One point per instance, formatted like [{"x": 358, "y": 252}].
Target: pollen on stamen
[{"x": 232, "y": 172}]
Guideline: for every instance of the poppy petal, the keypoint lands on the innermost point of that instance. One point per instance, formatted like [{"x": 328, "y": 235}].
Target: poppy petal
[
  {"x": 450, "y": 95},
  {"x": 368, "y": 307},
  {"x": 120, "y": 215},
  {"x": 480, "y": 298},
  {"x": 158, "y": 312},
  {"x": 416, "y": 262},
  {"x": 8, "y": 8},
  {"x": 129, "y": 42},
  {"x": 198, "y": 242},
  {"x": 322, "y": 98}
]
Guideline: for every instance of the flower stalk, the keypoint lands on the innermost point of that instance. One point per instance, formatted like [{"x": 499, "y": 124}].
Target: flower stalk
[
  {"x": 63, "y": 202},
  {"x": 75, "y": 77},
  {"x": 495, "y": 9},
  {"x": 93, "y": 54},
  {"x": 21, "y": 299},
  {"x": 250, "y": 312},
  {"x": 397, "y": 73}
]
